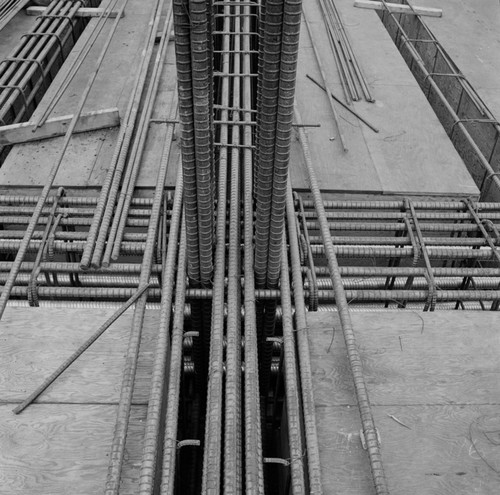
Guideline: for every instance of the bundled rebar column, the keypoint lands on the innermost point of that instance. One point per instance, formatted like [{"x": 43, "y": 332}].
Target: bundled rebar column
[{"x": 278, "y": 54}]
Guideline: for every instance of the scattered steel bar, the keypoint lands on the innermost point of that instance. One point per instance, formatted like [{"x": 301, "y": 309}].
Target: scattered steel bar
[{"x": 21, "y": 407}]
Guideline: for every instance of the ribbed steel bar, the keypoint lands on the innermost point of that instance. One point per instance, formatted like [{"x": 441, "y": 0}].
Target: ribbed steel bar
[
  {"x": 271, "y": 48},
  {"x": 130, "y": 162},
  {"x": 39, "y": 390},
  {"x": 182, "y": 30},
  {"x": 123, "y": 413},
  {"x": 193, "y": 295},
  {"x": 368, "y": 205},
  {"x": 253, "y": 459},
  {"x": 292, "y": 391},
  {"x": 286, "y": 97},
  {"x": 304, "y": 361},
  {"x": 233, "y": 448},
  {"x": 212, "y": 447},
  {"x": 55, "y": 168},
  {"x": 109, "y": 190},
  {"x": 127, "y": 191},
  {"x": 174, "y": 374},
  {"x": 201, "y": 63},
  {"x": 156, "y": 404},
  {"x": 367, "y": 421}
]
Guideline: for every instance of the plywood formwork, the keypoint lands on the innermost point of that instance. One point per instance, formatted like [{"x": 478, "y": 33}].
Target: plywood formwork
[
  {"x": 411, "y": 154},
  {"x": 61, "y": 443},
  {"x": 434, "y": 390}
]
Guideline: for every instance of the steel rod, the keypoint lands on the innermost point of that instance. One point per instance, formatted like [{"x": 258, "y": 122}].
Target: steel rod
[
  {"x": 367, "y": 421},
  {"x": 67, "y": 363},
  {"x": 53, "y": 172},
  {"x": 156, "y": 404}
]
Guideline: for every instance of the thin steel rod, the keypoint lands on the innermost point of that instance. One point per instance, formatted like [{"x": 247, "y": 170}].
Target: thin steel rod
[
  {"x": 232, "y": 454},
  {"x": 253, "y": 458},
  {"x": 212, "y": 449},
  {"x": 76, "y": 64},
  {"x": 341, "y": 103},
  {"x": 323, "y": 76},
  {"x": 67, "y": 363}
]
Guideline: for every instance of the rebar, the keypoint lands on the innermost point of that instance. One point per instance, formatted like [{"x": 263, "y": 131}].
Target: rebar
[
  {"x": 55, "y": 168},
  {"x": 367, "y": 421}
]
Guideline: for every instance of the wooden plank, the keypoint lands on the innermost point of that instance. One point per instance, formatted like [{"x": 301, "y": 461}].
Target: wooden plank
[
  {"x": 81, "y": 12},
  {"x": 57, "y": 126},
  {"x": 58, "y": 449},
  {"x": 440, "y": 380},
  {"x": 443, "y": 357},
  {"x": 435, "y": 457},
  {"x": 399, "y": 8},
  {"x": 35, "y": 341}
]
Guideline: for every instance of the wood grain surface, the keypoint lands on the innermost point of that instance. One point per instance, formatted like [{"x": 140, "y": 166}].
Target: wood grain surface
[
  {"x": 61, "y": 449},
  {"x": 435, "y": 397},
  {"x": 35, "y": 341}
]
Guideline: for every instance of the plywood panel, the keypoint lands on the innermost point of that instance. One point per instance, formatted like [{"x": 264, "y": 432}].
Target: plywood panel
[
  {"x": 410, "y": 155},
  {"x": 435, "y": 397},
  {"x": 435, "y": 457},
  {"x": 59, "y": 449},
  {"x": 410, "y": 358},
  {"x": 35, "y": 341}
]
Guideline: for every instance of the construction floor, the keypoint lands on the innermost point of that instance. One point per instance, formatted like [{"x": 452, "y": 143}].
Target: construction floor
[
  {"x": 434, "y": 389},
  {"x": 433, "y": 378},
  {"x": 411, "y": 154}
]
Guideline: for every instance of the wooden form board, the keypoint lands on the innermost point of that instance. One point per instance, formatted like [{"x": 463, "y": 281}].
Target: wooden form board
[
  {"x": 398, "y": 8},
  {"x": 61, "y": 443},
  {"x": 37, "y": 341},
  {"x": 81, "y": 12},
  {"x": 61, "y": 449},
  {"x": 443, "y": 385},
  {"x": 410, "y": 155},
  {"x": 26, "y": 132}
]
